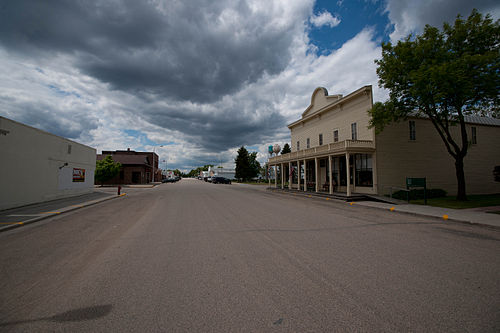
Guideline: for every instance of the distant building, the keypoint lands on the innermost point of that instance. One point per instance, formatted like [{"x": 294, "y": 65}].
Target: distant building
[
  {"x": 137, "y": 167},
  {"x": 221, "y": 172},
  {"x": 38, "y": 166},
  {"x": 334, "y": 150}
]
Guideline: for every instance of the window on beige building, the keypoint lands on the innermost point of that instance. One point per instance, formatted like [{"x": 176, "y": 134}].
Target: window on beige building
[
  {"x": 354, "y": 132},
  {"x": 336, "y": 136},
  {"x": 364, "y": 174},
  {"x": 413, "y": 135},
  {"x": 308, "y": 143},
  {"x": 320, "y": 139},
  {"x": 298, "y": 145},
  {"x": 473, "y": 138}
]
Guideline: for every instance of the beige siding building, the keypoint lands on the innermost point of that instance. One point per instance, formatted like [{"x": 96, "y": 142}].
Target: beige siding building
[
  {"x": 332, "y": 144},
  {"x": 38, "y": 166}
]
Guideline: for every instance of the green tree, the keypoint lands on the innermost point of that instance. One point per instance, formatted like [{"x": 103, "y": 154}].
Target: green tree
[
  {"x": 196, "y": 172},
  {"x": 106, "y": 169},
  {"x": 242, "y": 172},
  {"x": 286, "y": 149},
  {"x": 443, "y": 76},
  {"x": 254, "y": 165}
]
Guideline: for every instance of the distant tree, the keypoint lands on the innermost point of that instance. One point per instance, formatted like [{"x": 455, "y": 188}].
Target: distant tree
[
  {"x": 196, "y": 172},
  {"x": 254, "y": 165},
  {"x": 443, "y": 76},
  {"x": 286, "y": 149},
  {"x": 243, "y": 169},
  {"x": 106, "y": 169}
]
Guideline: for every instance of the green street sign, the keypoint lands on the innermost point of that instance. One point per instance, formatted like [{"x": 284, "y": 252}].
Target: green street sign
[{"x": 415, "y": 182}]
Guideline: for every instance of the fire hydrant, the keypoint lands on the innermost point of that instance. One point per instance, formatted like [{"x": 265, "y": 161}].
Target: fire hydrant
[{"x": 119, "y": 189}]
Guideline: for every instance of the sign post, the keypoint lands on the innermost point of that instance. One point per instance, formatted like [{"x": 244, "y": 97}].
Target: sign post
[{"x": 417, "y": 182}]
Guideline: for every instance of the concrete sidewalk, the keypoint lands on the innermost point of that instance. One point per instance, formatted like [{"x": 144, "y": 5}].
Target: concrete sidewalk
[
  {"x": 16, "y": 217},
  {"x": 472, "y": 216}
]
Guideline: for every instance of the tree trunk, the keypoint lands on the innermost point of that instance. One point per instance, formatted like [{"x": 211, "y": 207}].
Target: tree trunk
[{"x": 459, "y": 168}]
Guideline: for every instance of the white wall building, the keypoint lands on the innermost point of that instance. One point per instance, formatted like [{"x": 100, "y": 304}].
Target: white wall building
[{"x": 37, "y": 166}]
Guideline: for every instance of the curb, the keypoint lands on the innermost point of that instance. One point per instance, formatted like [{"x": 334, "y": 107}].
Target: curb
[
  {"x": 61, "y": 211},
  {"x": 443, "y": 218}
]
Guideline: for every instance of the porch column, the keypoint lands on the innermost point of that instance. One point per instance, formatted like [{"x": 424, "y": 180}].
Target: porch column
[
  {"x": 316, "y": 173},
  {"x": 330, "y": 171},
  {"x": 282, "y": 174},
  {"x": 348, "y": 170},
  {"x": 275, "y": 176},
  {"x": 290, "y": 178},
  {"x": 305, "y": 176},
  {"x": 298, "y": 175}
]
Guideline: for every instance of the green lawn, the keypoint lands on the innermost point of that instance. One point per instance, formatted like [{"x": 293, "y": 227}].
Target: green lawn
[{"x": 473, "y": 201}]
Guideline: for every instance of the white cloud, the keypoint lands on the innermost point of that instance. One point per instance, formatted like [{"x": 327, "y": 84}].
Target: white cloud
[
  {"x": 409, "y": 16},
  {"x": 325, "y": 18},
  {"x": 55, "y": 94}
]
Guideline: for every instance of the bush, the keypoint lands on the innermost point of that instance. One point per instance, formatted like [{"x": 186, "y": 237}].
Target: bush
[
  {"x": 416, "y": 194},
  {"x": 496, "y": 173}
]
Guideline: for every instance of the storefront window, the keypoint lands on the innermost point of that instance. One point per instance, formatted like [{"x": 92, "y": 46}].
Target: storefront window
[{"x": 364, "y": 174}]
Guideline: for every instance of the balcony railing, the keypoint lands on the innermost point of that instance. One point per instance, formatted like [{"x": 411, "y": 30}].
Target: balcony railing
[{"x": 328, "y": 149}]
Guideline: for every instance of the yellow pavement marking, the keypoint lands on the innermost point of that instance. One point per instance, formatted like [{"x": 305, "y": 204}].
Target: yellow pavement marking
[
  {"x": 50, "y": 213},
  {"x": 309, "y": 196},
  {"x": 445, "y": 217},
  {"x": 327, "y": 198},
  {"x": 121, "y": 195},
  {"x": 392, "y": 209},
  {"x": 351, "y": 203},
  {"x": 76, "y": 205},
  {"x": 11, "y": 223}
]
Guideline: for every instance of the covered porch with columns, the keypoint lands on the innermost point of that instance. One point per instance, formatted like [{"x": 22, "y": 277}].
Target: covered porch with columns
[{"x": 344, "y": 168}]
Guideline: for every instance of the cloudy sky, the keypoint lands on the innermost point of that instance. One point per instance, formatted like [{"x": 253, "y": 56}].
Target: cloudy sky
[{"x": 196, "y": 79}]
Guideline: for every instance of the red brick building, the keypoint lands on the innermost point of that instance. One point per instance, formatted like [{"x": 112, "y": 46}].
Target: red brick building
[{"x": 137, "y": 166}]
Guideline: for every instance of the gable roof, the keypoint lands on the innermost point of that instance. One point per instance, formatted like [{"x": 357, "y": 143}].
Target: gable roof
[{"x": 321, "y": 102}]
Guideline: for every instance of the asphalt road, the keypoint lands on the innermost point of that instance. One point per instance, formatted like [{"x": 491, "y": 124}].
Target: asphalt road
[{"x": 199, "y": 257}]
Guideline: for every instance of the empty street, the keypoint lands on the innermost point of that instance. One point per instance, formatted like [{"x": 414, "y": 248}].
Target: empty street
[{"x": 199, "y": 257}]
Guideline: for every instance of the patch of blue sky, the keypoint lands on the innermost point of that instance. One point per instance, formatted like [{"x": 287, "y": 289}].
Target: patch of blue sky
[
  {"x": 59, "y": 92},
  {"x": 252, "y": 148},
  {"x": 354, "y": 15}
]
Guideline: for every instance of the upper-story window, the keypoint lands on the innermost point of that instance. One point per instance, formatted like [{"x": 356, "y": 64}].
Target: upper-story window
[
  {"x": 354, "y": 131},
  {"x": 320, "y": 139},
  {"x": 298, "y": 145},
  {"x": 308, "y": 143},
  {"x": 473, "y": 138},
  {"x": 336, "y": 136},
  {"x": 413, "y": 135}
]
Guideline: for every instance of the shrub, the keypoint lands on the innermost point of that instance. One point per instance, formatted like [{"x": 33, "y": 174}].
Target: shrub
[
  {"x": 496, "y": 173},
  {"x": 417, "y": 194}
]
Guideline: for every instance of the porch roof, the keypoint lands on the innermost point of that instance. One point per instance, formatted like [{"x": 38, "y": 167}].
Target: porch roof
[{"x": 337, "y": 148}]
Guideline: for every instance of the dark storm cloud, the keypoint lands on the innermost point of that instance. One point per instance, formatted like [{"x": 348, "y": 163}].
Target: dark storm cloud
[
  {"x": 227, "y": 128},
  {"x": 44, "y": 116},
  {"x": 185, "y": 50}
]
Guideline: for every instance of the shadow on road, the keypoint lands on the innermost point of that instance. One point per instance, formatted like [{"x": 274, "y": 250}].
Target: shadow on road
[{"x": 82, "y": 314}]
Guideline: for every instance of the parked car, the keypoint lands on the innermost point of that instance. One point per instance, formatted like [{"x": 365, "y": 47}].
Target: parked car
[{"x": 221, "y": 180}]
